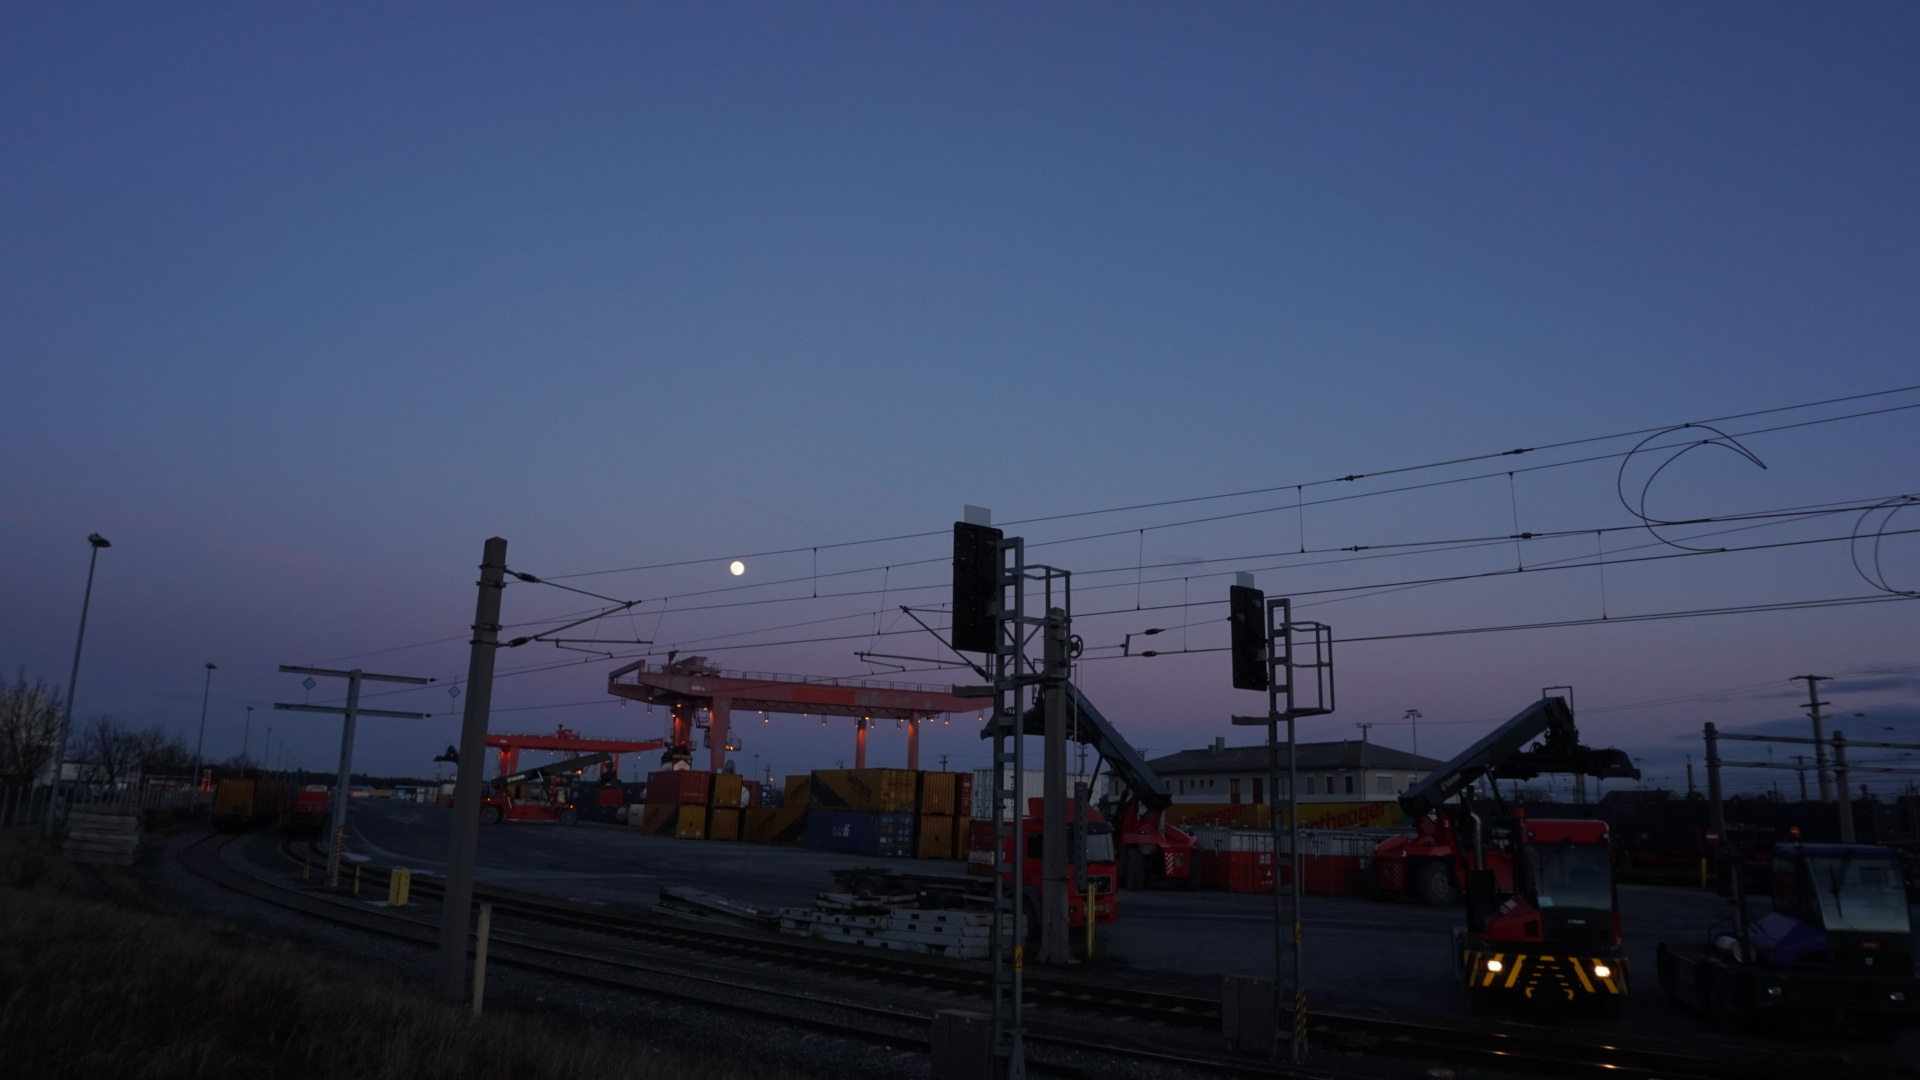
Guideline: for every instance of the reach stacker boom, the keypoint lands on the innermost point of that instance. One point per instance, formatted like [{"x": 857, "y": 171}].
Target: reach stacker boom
[{"x": 1543, "y": 913}]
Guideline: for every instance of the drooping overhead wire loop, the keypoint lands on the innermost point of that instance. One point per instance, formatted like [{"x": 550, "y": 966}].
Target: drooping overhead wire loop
[{"x": 1637, "y": 506}]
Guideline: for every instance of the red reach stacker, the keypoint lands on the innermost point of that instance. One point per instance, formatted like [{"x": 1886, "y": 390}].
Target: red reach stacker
[
  {"x": 1543, "y": 914},
  {"x": 544, "y": 793},
  {"x": 1147, "y": 849}
]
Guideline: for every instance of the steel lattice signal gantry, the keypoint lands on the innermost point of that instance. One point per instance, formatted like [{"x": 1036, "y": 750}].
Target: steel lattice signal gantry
[{"x": 688, "y": 686}]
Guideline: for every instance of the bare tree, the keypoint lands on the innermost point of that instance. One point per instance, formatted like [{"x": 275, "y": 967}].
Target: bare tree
[
  {"x": 113, "y": 752},
  {"x": 163, "y": 753},
  {"x": 29, "y": 724},
  {"x": 107, "y": 751}
]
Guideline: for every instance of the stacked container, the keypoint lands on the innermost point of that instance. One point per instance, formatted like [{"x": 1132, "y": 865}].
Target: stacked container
[
  {"x": 863, "y": 811},
  {"x": 676, "y": 804},
  {"x": 723, "y": 815},
  {"x": 784, "y": 824}
]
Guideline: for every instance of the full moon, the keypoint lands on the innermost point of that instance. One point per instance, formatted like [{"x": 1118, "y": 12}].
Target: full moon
[{"x": 736, "y": 568}]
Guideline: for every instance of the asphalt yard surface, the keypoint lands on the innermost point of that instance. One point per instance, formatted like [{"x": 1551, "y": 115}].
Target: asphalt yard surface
[{"x": 1358, "y": 953}]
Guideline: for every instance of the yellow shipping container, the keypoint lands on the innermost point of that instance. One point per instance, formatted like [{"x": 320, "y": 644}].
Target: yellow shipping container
[
  {"x": 690, "y": 823},
  {"x": 936, "y": 793},
  {"x": 725, "y": 790},
  {"x": 724, "y": 824},
  {"x": 797, "y": 791},
  {"x": 881, "y": 791},
  {"x": 787, "y": 825},
  {"x": 656, "y": 820},
  {"x": 936, "y": 837}
]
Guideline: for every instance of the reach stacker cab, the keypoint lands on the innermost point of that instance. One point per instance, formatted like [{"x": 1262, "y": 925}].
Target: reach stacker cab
[
  {"x": 1101, "y": 871},
  {"x": 1835, "y": 951},
  {"x": 1553, "y": 935}
]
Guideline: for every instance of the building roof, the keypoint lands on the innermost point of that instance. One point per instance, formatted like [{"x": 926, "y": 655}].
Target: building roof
[{"x": 1345, "y": 754}]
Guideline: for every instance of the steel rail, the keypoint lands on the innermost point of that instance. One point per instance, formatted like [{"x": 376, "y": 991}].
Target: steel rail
[
  {"x": 393, "y": 925},
  {"x": 1494, "y": 1043}
]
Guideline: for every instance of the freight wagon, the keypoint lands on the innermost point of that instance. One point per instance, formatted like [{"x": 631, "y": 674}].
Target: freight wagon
[{"x": 243, "y": 804}]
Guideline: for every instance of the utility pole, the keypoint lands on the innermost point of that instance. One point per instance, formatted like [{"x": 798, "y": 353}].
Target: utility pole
[
  {"x": 1412, "y": 717},
  {"x": 246, "y": 735},
  {"x": 1363, "y": 741},
  {"x": 73, "y": 679},
  {"x": 1803, "y": 780},
  {"x": 454, "y": 909},
  {"x": 1819, "y": 736},
  {"x": 1054, "y": 944},
  {"x": 1800, "y": 768},
  {"x": 1841, "y": 774},
  {"x": 201, "y": 742}
]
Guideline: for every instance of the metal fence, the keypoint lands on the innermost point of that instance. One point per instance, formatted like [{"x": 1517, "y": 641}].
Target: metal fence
[{"x": 23, "y": 805}]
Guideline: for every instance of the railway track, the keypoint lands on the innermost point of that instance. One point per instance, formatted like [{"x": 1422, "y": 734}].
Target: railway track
[{"x": 1171, "y": 1017}]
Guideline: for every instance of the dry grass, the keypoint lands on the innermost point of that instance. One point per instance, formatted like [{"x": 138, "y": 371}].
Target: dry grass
[{"x": 98, "y": 988}]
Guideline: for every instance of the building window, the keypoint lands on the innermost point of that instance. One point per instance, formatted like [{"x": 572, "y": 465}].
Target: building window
[
  {"x": 1329, "y": 785},
  {"x": 1233, "y": 791},
  {"x": 1183, "y": 787},
  {"x": 1349, "y": 779},
  {"x": 1309, "y": 788},
  {"x": 1259, "y": 792},
  {"x": 1383, "y": 785}
]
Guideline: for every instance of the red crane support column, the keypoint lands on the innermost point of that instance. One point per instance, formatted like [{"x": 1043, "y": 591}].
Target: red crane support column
[
  {"x": 718, "y": 715},
  {"x": 913, "y": 743},
  {"x": 682, "y": 729},
  {"x": 860, "y": 745}
]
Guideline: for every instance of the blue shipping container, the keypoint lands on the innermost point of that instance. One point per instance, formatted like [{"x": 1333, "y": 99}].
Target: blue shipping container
[{"x": 887, "y": 836}]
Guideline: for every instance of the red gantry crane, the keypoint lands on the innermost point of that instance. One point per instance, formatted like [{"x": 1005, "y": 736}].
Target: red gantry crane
[{"x": 691, "y": 685}]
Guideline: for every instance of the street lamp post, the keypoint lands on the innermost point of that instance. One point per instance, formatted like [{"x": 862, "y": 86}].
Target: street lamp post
[
  {"x": 73, "y": 678},
  {"x": 246, "y": 734},
  {"x": 200, "y": 743}
]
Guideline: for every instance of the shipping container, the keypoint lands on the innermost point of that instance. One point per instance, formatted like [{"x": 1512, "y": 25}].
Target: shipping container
[
  {"x": 886, "y": 791},
  {"x": 796, "y": 791},
  {"x": 936, "y": 793},
  {"x": 979, "y": 836},
  {"x": 782, "y": 825},
  {"x": 725, "y": 790},
  {"x": 860, "y": 833},
  {"x": 724, "y": 824},
  {"x": 674, "y": 787},
  {"x": 691, "y": 823},
  {"x": 936, "y": 836},
  {"x": 1033, "y": 787},
  {"x": 962, "y": 830},
  {"x": 681, "y": 821}
]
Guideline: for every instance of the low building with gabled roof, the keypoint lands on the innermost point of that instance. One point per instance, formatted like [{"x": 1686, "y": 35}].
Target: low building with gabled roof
[{"x": 1344, "y": 771}]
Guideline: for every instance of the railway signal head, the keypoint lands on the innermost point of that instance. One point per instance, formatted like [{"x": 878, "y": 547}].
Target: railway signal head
[
  {"x": 1247, "y": 614},
  {"x": 976, "y": 587}
]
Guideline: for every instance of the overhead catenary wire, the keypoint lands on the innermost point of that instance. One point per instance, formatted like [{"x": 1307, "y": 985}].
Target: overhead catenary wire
[{"x": 1299, "y": 504}]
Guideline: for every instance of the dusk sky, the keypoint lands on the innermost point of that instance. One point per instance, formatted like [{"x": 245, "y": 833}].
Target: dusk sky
[{"x": 299, "y": 304}]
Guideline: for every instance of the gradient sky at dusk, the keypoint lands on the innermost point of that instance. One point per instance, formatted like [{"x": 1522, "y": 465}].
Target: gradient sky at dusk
[{"x": 298, "y": 304}]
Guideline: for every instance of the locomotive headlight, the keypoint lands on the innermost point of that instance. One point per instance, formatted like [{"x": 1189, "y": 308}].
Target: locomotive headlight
[
  {"x": 1602, "y": 971},
  {"x": 1495, "y": 966}
]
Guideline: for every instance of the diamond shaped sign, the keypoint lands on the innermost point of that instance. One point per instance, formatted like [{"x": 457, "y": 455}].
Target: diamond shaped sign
[
  {"x": 453, "y": 691},
  {"x": 308, "y": 682}
]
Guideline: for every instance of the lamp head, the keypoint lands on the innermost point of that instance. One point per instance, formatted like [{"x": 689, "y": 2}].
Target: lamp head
[{"x": 98, "y": 541}]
